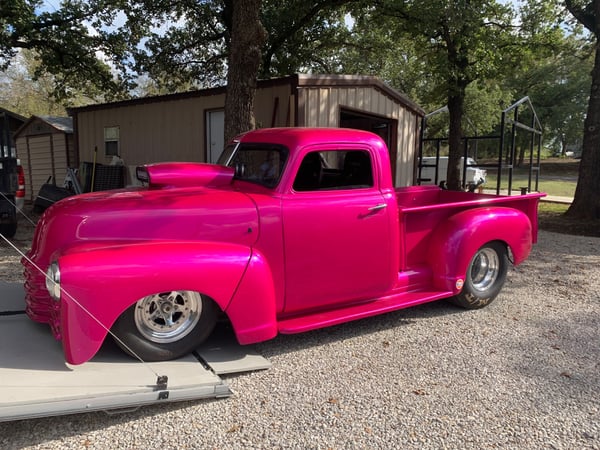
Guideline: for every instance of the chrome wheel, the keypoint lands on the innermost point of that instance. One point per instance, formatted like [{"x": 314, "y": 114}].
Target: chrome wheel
[
  {"x": 485, "y": 269},
  {"x": 485, "y": 276},
  {"x": 169, "y": 316}
]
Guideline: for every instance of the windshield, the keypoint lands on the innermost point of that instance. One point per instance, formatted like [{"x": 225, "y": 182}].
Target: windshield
[
  {"x": 258, "y": 163},
  {"x": 227, "y": 154}
]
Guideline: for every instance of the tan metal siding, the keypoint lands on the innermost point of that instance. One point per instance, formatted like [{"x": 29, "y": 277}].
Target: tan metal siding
[
  {"x": 151, "y": 132},
  {"x": 42, "y": 156},
  {"x": 275, "y": 101},
  {"x": 73, "y": 157},
  {"x": 322, "y": 109},
  {"x": 170, "y": 130},
  {"x": 60, "y": 158},
  {"x": 38, "y": 164},
  {"x": 174, "y": 129},
  {"x": 406, "y": 142}
]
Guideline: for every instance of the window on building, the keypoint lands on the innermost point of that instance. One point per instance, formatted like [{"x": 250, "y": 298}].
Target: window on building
[{"x": 111, "y": 141}]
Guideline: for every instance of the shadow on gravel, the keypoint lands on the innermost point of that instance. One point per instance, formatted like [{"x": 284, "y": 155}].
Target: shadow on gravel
[{"x": 559, "y": 373}]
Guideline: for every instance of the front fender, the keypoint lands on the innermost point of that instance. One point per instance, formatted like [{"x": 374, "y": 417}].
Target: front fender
[
  {"x": 252, "y": 309},
  {"x": 455, "y": 241},
  {"x": 100, "y": 283}
]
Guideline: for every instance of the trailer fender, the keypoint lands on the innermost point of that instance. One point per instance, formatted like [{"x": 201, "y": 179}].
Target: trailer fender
[
  {"x": 99, "y": 284},
  {"x": 457, "y": 239}
]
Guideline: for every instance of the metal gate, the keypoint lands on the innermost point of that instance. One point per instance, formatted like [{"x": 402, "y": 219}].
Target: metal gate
[{"x": 504, "y": 145}]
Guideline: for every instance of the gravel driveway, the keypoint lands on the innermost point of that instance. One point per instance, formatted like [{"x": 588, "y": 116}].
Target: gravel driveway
[{"x": 523, "y": 373}]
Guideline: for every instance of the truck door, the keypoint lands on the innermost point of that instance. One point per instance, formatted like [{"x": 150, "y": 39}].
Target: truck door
[{"x": 336, "y": 232}]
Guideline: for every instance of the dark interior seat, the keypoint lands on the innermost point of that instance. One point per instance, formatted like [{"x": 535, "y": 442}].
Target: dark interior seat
[
  {"x": 357, "y": 169},
  {"x": 308, "y": 177}
]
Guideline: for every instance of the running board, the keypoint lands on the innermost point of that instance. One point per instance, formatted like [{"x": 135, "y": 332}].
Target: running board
[{"x": 322, "y": 319}]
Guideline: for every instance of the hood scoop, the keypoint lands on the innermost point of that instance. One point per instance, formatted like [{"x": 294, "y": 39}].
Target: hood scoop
[{"x": 180, "y": 174}]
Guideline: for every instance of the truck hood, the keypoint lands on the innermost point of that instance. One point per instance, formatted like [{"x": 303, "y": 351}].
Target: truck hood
[{"x": 140, "y": 214}]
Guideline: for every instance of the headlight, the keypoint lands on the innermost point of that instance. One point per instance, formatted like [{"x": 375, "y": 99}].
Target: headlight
[{"x": 53, "y": 281}]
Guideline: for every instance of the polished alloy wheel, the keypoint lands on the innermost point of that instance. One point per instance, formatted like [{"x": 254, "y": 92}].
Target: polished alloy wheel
[
  {"x": 169, "y": 316},
  {"x": 485, "y": 269}
]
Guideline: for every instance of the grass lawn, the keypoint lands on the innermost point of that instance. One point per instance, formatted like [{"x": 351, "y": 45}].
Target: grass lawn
[
  {"x": 557, "y": 177},
  {"x": 561, "y": 188}
]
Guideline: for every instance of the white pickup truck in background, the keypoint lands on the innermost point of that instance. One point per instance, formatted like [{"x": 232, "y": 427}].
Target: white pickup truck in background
[{"x": 475, "y": 175}]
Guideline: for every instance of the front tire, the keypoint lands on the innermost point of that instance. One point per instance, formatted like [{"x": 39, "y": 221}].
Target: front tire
[
  {"x": 165, "y": 326},
  {"x": 486, "y": 275}
]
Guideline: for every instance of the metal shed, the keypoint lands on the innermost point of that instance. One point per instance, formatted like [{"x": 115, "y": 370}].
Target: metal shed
[
  {"x": 189, "y": 126},
  {"x": 46, "y": 148}
]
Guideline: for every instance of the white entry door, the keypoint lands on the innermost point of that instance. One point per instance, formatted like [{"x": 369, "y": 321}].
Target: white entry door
[{"x": 215, "y": 135}]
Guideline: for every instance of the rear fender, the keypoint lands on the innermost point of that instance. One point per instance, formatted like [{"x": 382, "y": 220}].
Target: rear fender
[
  {"x": 457, "y": 239},
  {"x": 100, "y": 283}
]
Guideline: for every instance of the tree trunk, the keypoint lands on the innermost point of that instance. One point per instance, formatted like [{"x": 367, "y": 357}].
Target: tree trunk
[
  {"x": 247, "y": 39},
  {"x": 456, "y": 100},
  {"x": 586, "y": 204}
]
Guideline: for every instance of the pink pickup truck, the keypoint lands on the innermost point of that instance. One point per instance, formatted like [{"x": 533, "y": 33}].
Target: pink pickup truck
[{"x": 296, "y": 229}]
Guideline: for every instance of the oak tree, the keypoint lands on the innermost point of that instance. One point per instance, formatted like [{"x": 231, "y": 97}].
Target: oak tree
[
  {"x": 586, "y": 204},
  {"x": 77, "y": 44},
  {"x": 247, "y": 38},
  {"x": 460, "y": 42}
]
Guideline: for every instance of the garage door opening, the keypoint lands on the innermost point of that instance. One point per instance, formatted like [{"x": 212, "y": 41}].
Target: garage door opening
[{"x": 384, "y": 127}]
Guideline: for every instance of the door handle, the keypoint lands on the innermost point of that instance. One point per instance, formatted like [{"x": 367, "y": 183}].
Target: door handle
[{"x": 378, "y": 207}]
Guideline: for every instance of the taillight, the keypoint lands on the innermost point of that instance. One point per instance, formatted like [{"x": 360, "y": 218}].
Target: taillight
[{"x": 21, "y": 177}]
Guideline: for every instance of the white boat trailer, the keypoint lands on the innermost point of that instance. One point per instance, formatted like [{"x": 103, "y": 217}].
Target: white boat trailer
[{"x": 35, "y": 380}]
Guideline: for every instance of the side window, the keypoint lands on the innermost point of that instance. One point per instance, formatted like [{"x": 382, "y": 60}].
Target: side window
[{"x": 337, "y": 169}]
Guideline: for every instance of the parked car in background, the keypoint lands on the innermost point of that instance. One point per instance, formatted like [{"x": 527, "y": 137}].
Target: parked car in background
[
  {"x": 475, "y": 175},
  {"x": 20, "y": 193},
  {"x": 8, "y": 190}
]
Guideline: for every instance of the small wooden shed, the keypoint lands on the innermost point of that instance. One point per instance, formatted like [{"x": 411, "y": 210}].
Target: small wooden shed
[
  {"x": 45, "y": 146},
  {"x": 189, "y": 126}
]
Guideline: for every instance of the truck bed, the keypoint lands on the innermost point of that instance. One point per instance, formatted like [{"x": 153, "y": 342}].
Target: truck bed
[
  {"x": 421, "y": 207},
  {"x": 417, "y": 198}
]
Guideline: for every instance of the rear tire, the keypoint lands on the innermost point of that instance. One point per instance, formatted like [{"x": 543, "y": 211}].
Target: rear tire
[
  {"x": 166, "y": 325},
  {"x": 486, "y": 275}
]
